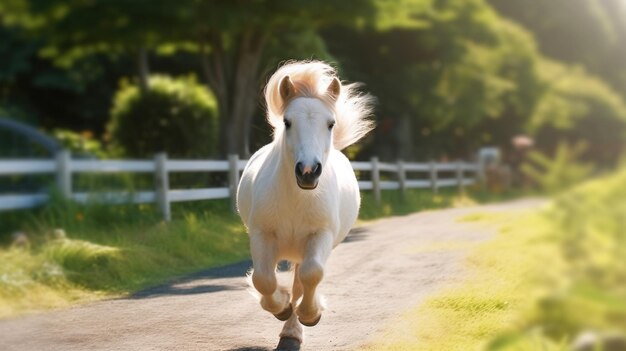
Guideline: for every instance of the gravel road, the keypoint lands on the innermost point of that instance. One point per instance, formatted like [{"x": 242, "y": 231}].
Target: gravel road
[{"x": 376, "y": 274}]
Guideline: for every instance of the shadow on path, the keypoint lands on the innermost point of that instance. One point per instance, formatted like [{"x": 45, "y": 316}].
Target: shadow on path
[
  {"x": 197, "y": 283},
  {"x": 356, "y": 234}
]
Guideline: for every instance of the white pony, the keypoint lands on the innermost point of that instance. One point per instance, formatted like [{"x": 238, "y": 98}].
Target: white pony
[{"x": 298, "y": 195}]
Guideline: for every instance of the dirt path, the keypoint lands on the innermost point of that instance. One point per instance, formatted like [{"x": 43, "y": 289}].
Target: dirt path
[{"x": 375, "y": 275}]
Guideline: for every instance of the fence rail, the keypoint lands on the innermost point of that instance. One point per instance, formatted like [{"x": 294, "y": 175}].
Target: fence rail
[{"x": 459, "y": 174}]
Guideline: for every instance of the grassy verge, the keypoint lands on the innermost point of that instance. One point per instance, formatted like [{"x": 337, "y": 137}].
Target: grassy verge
[
  {"x": 393, "y": 203},
  {"x": 109, "y": 251},
  {"x": 546, "y": 278}
]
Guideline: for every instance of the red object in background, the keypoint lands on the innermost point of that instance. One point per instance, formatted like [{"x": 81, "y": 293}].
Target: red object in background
[{"x": 522, "y": 142}]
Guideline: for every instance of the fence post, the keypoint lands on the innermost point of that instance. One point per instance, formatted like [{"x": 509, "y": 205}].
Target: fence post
[
  {"x": 376, "y": 179},
  {"x": 433, "y": 177},
  {"x": 459, "y": 175},
  {"x": 64, "y": 173},
  {"x": 162, "y": 183},
  {"x": 402, "y": 177},
  {"x": 233, "y": 180},
  {"x": 480, "y": 174}
]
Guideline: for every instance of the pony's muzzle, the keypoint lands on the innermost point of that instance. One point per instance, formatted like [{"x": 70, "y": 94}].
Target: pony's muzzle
[{"x": 308, "y": 175}]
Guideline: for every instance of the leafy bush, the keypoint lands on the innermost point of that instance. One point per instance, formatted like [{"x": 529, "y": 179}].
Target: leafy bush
[
  {"x": 576, "y": 106},
  {"x": 80, "y": 143},
  {"x": 592, "y": 224},
  {"x": 586, "y": 291},
  {"x": 178, "y": 116},
  {"x": 587, "y": 225},
  {"x": 558, "y": 173}
]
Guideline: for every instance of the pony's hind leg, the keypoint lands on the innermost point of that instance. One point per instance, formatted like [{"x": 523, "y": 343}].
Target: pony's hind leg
[
  {"x": 311, "y": 272},
  {"x": 274, "y": 299},
  {"x": 291, "y": 336}
]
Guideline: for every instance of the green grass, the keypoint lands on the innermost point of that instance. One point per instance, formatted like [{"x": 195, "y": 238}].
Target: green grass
[
  {"x": 110, "y": 251},
  {"x": 545, "y": 278},
  {"x": 464, "y": 316},
  {"x": 393, "y": 203}
]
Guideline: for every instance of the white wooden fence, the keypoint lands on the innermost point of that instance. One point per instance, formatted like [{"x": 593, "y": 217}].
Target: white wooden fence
[{"x": 63, "y": 167}]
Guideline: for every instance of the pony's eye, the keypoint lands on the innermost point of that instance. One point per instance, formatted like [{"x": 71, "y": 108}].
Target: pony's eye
[
  {"x": 331, "y": 125},
  {"x": 287, "y": 123}
]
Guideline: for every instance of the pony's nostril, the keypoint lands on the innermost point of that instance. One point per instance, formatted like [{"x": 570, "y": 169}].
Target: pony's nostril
[
  {"x": 308, "y": 171},
  {"x": 299, "y": 168},
  {"x": 317, "y": 170}
]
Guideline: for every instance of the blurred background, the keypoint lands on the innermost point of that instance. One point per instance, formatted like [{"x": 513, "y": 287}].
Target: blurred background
[
  {"x": 543, "y": 83},
  {"x": 120, "y": 78}
]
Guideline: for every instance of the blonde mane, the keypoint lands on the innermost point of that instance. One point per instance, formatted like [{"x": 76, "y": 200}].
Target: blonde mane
[{"x": 311, "y": 79}]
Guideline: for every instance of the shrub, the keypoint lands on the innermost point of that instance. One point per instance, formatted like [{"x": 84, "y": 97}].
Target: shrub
[
  {"x": 558, "y": 173},
  {"x": 176, "y": 115},
  {"x": 80, "y": 144}
]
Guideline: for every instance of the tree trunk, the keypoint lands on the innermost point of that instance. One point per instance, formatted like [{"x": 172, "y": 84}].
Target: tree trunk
[
  {"x": 234, "y": 78},
  {"x": 144, "y": 69}
]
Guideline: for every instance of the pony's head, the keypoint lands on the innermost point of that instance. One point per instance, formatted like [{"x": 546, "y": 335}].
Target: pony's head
[
  {"x": 307, "y": 134},
  {"x": 312, "y": 113}
]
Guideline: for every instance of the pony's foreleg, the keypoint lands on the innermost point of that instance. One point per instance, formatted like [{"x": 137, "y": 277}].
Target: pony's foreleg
[
  {"x": 264, "y": 259},
  {"x": 291, "y": 335},
  {"x": 311, "y": 272}
]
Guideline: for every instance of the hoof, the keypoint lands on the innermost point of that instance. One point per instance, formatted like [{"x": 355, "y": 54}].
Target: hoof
[
  {"x": 311, "y": 324},
  {"x": 288, "y": 344},
  {"x": 285, "y": 314}
]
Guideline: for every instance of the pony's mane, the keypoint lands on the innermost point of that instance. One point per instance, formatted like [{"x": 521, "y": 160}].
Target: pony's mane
[{"x": 311, "y": 79}]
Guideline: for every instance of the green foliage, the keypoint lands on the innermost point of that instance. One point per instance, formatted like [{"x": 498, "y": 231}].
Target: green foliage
[
  {"x": 589, "y": 32},
  {"x": 479, "y": 312},
  {"x": 178, "y": 116},
  {"x": 450, "y": 76},
  {"x": 18, "y": 113},
  {"x": 393, "y": 203},
  {"x": 15, "y": 56},
  {"x": 558, "y": 173},
  {"x": 546, "y": 277},
  {"x": 588, "y": 226},
  {"x": 50, "y": 96},
  {"x": 575, "y": 106},
  {"x": 79, "y": 143},
  {"x": 110, "y": 250},
  {"x": 12, "y": 145},
  {"x": 592, "y": 228},
  {"x": 76, "y": 29},
  {"x": 462, "y": 78}
]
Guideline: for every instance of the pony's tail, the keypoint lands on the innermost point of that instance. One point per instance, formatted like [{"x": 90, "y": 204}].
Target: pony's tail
[{"x": 353, "y": 110}]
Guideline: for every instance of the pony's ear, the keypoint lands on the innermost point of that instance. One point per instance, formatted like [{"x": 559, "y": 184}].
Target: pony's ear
[
  {"x": 286, "y": 88},
  {"x": 334, "y": 88}
]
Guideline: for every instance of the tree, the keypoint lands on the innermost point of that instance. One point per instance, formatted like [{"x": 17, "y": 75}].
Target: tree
[
  {"x": 458, "y": 77},
  {"x": 588, "y": 32},
  {"x": 232, "y": 38},
  {"x": 229, "y": 36},
  {"x": 74, "y": 29},
  {"x": 462, "y": 76}
]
